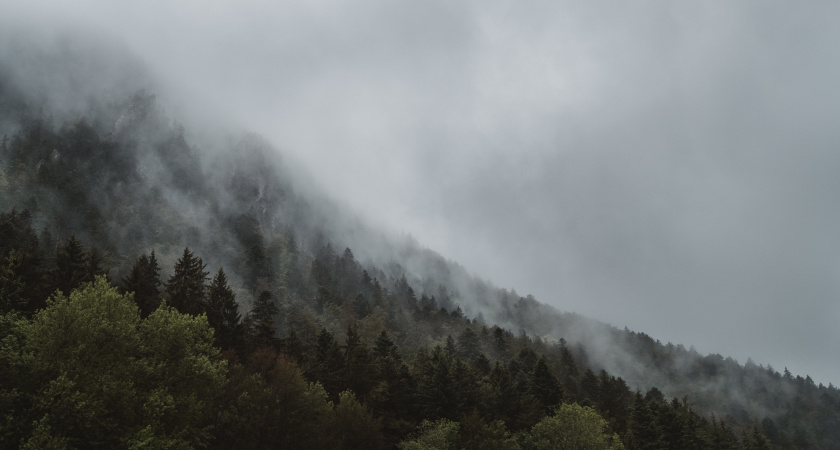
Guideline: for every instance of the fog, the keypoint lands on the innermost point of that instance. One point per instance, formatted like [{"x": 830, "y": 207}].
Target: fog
[{"x": 669, "y": 167}]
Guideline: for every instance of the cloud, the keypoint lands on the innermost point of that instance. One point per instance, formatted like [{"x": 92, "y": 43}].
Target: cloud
[{"x": 668, "y": 166}]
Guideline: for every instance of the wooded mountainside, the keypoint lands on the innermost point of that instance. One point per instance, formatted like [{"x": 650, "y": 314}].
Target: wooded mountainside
[{"x": 156, "y": 293}]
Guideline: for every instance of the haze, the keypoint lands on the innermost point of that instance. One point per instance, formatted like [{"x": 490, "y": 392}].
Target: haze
[{"x": 666, "y": 166}]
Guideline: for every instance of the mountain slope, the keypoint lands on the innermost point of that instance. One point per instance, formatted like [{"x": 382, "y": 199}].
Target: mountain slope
[{"x": 333, "y": 294}]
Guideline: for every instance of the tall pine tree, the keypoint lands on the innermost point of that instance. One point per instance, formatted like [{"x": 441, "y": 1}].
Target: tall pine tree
[
  {"x": 222, "y": 310},
  {"x": 261, "y": 320},
  {"x": 185, "y": 288},
  {"x": 144, "y": 281},
  {"x": 71, "y": 267}
]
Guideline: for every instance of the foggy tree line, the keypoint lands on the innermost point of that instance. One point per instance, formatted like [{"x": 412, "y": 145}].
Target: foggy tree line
[
  {"x": 282, "y": 341},
  {"x": 429, "y": 373}
]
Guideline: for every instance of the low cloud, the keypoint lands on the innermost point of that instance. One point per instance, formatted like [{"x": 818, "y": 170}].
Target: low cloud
[{"x": 670, "y": 167}]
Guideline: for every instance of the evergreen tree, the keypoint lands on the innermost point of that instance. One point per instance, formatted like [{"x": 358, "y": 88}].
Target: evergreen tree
[
  {"x": 185, "y": 288},
  {"x": 468, "y": 345},
  {"x": 644, "y": 427},
  {"x": 361, "y": 307},
  {"x": 223, "y": 310},
  {"x": 262, "y": 319},
  {"x": 11, "y": 285},
  {"x": 71, "y": 267},
  {"x": 357, "y": 364},
  {"x": 544, "y": 385},
  {"x": 144, "y": 281},
  {"x": 329, "y": 362}
]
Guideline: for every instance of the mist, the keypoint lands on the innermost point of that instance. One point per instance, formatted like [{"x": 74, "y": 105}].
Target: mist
[{"x": 670, "y": 168}]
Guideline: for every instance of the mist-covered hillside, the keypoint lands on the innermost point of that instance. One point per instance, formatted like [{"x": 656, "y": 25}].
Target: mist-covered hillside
[{"x": 307, "y": 310}]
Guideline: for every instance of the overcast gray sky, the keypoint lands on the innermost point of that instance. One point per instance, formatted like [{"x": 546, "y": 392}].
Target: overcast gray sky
[{"x": 669, "y": 166}]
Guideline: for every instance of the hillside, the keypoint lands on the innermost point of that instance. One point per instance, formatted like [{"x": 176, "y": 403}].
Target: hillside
[{"x": 323, "y": 331}]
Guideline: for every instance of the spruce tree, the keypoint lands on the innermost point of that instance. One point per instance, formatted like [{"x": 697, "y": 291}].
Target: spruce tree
[
  {"x": 262, "y": 319},
  {"x": 144, "y": 281},
  {"x": 185, "y": 288},
  {"x": 223, "y": 310},
  {"x": 71, "y": 267},
  {"x": 544, "y": 385}
]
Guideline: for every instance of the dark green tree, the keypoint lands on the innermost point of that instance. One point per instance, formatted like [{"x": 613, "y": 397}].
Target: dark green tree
[
  {"x": 223, "y": 310},
  {"x": 357, "y": 364},
  {"x": 468, "y": 345},
  {"x": 186, "y": 287},
  {"x": 262, "y": 320},
  {"x": 544, "y": 385},
  {"x": 71, "y": 267},
  {"x": 144, "y": 281},
  {"x": 11, "y": 283},
  {"x": 329, "y": 362}
]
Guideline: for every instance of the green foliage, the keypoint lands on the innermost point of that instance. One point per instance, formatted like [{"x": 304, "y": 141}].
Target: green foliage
[
  {"x": 185, "y": 288},
  {"x": 92, "y": 371},
  {"x": 144, "y": 282},
  {"x": 353, "y": 425},
  {"x": 261, "y": 320},
  {"x": 72, "y": 267},
  {"x": 16, "y": 381},
  {"x": 439, "y": 435},
  {"x": 223, "y": 311},
  {"x": 477, "y": 433},
  {"x": 574, "y": 427},
  {"x": 110, "y": 379}
]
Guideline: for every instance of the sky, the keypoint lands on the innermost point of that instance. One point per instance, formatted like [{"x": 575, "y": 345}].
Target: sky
[{"x": 668, "y": 166}]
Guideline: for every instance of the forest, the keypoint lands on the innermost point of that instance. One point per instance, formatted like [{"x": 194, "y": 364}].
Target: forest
[{"x": 157, "y": 291}]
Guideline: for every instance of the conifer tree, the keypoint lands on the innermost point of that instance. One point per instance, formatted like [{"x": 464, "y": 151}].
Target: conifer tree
[
  {"x": 262, "y": 319},
  {"x": 357, "y": 364},
  {"x": 185, "y": 288},
  {"x": 468, "y": 345},
  {"x": 544, "y": 385},
  {"x": 144, "y": 281},
  {"x": 223, "y": 310},
  {"x": 71, "y": 267},
  {"x": 11, "y": 285},
  {"x": 329, "y": 362}
]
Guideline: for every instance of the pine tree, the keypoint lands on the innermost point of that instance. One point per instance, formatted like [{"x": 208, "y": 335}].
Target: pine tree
[
  {"x": 144, "y": 281},
  {"x": 185, "y": 288},
  {"x": 71, "y": 267},
  {"x": 329, "y": 362},
  {"x": 544, "y": 385},
  {"x": 357, "y": 364},
  {"x": 11, "y": 284},
  {"x": 262, "y": 318},
  {"x": 223, "y": 310},
  {"x": 468, "y": 345}
]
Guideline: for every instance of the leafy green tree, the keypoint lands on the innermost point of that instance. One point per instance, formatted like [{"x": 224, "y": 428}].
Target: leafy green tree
[
  {"x": 439, "y": 435},
  {"x": 185, "y": 288},
  {"x": 477, "y": 433},
  {"x": 109, "y": 379},
  {"x": 353, "y": 425},
  {"x": 574, "y": 427}
]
